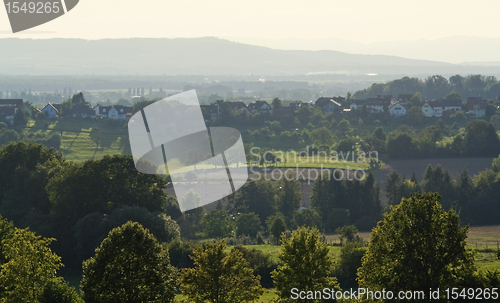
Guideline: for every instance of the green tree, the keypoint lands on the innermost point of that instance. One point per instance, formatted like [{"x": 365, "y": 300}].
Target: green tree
[
  {"x": 322, "y": 135},
  {"x": 417, "y": 246},
  {"x": 464, "y": 188},
  {"x": 344, "y": 126},
  {"x": 276, "y": 225},
  {"x": 248, "y": 224},
  {"x": 30, "y": 266},
  {"x": 288, "y": 198},
  {"x": 219, "y": 277},
  {"x": 261, "y": 263},
  {"x": 481, "y": 139},
  {"x": 453, "y": 96},
  {"x": 217, "y": 224},
  {"x": 338, "y": 217},
  {"x": 416, "y": 99},
  {"x": 415, "y": 115},
  {"x": 392, "y": 188},
  {"x": 130, "y": 266},
  {"x": 307, "y": 217},
  {"x": 20, "y": 118},
  {"x": 109, "y": 183},
  {"x": 256, "y": 197},
  {"x": 95, "y": 136},
  {"x": 276, "y": 105},
  {"x": 400, "y": 146},
  {"x": 307, "y": 265},
  {"x": 56, "y": 292},
  {"x": 379, "y": 133},
  {"x": 347, "y": 232},
  {"x": 349, "y": 263}
]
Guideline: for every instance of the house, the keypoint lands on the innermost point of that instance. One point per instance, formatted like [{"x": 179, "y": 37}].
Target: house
[
  {"x": 214, "y": 111},
  {"x": 404, "y": 97},
  {"x": 295, "y": 106},
  {"x": 82, "y": 111},
  {"x": 476, "y": 107},
  {"x": 9, "y": 107},
  {"x": 237, "y": 105},
  {"x": 433, "y": 108},
  {"x": 380, "y": 104},
  {"x": 51, "y": 110},
  {"x": 259, "y": 106},
  {"x": 452, "y": 104},
  {"x": 436, "y": 108},
  {"x": 210, "y": 112},
  {"x": 7, "y": 113},
  {"x": 328, "y": 105},
  {"x": 398, "y": 109},
  {"x": 447, "y": 113},
  {"x": 284, "y": 112},
  {"x": 119, "y": 112},
  {"x": 339, "y": 99},
  {"x": 14, "y": 103}
]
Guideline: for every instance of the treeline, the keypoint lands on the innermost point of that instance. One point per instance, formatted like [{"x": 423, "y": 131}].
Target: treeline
[
  {"x": 418, "y": 246},
  {"x": 345, "y": 202},
  {"x": 479, "y": 139},
  {"x": 476, "y": 199},
  {"x": 8, "y": 135},
  {"x": 63, "y": 199},
  {"x": 436, "y": 87}
]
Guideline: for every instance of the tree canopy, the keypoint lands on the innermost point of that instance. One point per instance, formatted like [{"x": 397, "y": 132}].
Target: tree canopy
[
  {"x": 307, "y": 265},
  {"x": 219, "y": 277},
  {"x": 417, "y": 246},
  {"x": 130, "y": 266}
]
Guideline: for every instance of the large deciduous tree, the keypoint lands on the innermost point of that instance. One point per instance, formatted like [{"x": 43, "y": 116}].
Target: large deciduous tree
[
  {"x": 219, "y": 277},
  {"x": 417, "y": 246},
  {"x": 130, "y": 266},
  {"x": 28, "y": 270},
  {"x": 256, "y": 197},
  {"x": 307, "y": 265},
  {"x": 288, "y": 198},
  {"x": 217, "y": 224},
  {"x": 248, "y": 224}
]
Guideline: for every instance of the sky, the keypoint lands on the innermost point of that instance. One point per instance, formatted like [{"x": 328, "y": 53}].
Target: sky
[{"x": 364, "y": 21}]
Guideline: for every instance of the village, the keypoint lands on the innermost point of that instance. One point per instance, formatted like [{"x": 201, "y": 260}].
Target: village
[{"x": 474, "y": 107}]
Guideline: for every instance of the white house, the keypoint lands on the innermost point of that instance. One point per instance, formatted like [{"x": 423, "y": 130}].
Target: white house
[
  {"x": 397, "y": 110},
  {"x": 428, "y": 110},
  {"x": 51, "y": 110},
  {"x": 119, "y": 112},
  {"x": 436, "y": 108}
]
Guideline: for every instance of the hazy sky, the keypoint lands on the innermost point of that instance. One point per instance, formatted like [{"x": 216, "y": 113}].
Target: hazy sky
[{"x": 355, "y": 20}]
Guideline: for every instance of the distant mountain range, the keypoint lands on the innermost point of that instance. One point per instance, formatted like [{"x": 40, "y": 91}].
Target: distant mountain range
[
  {"x": 201, "y": 56},
  {"x": 453, "y": 49}
]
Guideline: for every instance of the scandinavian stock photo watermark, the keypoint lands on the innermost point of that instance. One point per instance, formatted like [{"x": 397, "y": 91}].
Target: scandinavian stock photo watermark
[{"x": 310, "y": 157}]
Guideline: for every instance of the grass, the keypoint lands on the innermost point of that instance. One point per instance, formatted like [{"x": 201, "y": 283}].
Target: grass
[
  {"x": 76, "y": 144},
  {"x": 267, "y": 297}
]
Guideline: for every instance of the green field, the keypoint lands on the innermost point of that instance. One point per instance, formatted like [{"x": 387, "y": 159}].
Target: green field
[{"x": 76, "y": 144}]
